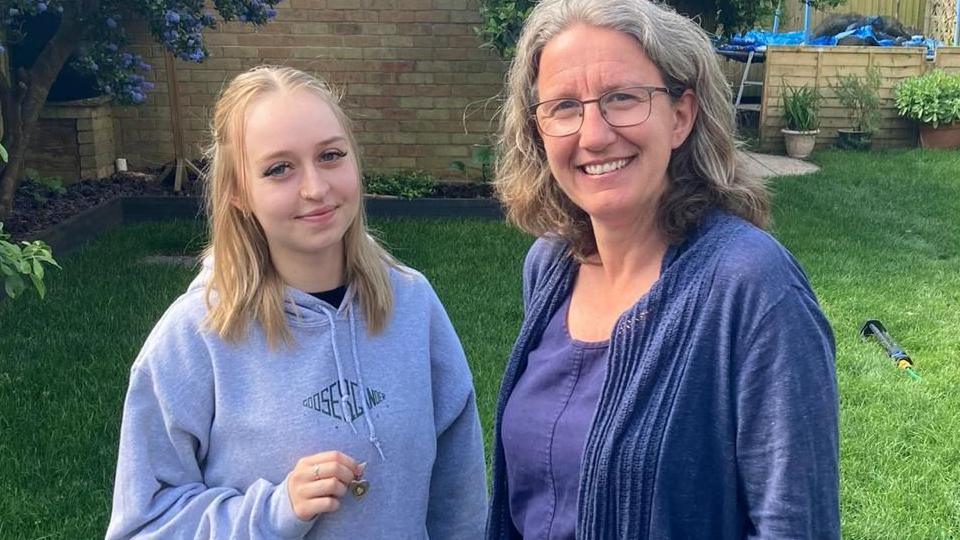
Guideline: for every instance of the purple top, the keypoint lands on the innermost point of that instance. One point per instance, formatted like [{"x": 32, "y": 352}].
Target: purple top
[{"x": 545, "y": 426}]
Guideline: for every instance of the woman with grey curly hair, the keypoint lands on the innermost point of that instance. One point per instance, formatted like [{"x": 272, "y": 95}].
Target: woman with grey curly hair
[{"x": 674, "y": 375}]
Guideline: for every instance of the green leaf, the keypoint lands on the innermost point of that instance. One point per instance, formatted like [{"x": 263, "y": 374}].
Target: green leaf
[
  {"x": 14, "y": 285},
  {"x": 38, "y": 284},
  {"x": 5, "y": 157}
]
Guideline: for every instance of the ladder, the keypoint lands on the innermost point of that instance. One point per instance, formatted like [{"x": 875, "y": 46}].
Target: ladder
[{"x": 744, "y": 82}]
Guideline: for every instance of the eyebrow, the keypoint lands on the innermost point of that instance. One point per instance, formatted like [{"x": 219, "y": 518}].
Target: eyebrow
[
  {"x": 284, "y": 153},
  {"x": 605, "y": 89}
]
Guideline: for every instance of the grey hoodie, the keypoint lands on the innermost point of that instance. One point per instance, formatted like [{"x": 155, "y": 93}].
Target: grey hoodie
[{"x": 211, "y": 429}]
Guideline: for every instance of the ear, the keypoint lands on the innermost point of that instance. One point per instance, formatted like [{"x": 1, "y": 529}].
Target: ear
[{"x": 684, "y": 115}]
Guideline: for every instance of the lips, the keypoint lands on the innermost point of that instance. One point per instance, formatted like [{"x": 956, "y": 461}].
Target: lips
[
  {"x": 596, "y": 169},
  {"x": 318, "y": 214}
]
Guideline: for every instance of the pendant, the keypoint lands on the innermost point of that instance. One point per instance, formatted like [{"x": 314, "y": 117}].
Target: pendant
[{"x": 359, "y": 488}]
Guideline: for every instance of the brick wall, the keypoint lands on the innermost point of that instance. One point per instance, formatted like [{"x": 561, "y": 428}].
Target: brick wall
[
  {"x": 74, "y": 140},
  {"x": 416, "y": 82}
]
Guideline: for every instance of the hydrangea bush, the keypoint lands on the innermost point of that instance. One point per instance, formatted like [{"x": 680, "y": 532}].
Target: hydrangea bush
[{"x": 94, "y": 34}]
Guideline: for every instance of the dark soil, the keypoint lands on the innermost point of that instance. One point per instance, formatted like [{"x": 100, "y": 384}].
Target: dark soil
[{"x": 37, "y": 208}]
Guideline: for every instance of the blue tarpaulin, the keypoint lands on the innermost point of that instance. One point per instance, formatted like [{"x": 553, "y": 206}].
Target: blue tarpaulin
[{"x": 758, "y": 40}]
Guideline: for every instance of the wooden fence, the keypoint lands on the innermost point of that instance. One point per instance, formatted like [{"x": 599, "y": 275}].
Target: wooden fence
[
  {"x": 819, "y": 67},
  {"x": 911, "y": 13},
  {"x": 948, "y": 59}
]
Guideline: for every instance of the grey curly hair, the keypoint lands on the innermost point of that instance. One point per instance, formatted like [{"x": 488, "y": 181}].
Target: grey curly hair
[{"x": 704, "y": 172}]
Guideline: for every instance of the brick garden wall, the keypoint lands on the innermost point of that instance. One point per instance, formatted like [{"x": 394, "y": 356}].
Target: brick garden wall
[
  {"x": 74, "y": 140},
  {"x": 410, "y": 69}
]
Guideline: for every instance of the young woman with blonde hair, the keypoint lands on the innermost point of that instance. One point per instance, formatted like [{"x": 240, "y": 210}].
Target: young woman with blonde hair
[{"x": 306, "y": 385}]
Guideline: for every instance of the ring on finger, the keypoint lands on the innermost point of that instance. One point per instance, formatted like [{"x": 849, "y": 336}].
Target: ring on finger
[{"x": 316, "y": 471}]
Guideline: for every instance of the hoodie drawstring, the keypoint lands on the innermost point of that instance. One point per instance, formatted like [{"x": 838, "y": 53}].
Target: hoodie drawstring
[
  {"x": 336, "y": 359},
  {"x": 363, "y": 388},
  {"x": 374, "y": 440}
]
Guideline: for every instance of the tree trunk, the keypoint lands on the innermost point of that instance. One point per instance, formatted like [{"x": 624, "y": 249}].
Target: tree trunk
[{"x": 23, "y": 95}]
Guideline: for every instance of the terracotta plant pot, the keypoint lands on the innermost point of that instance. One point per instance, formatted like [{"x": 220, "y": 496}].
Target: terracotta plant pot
[
  {"x": 947, "y": 136},
  {"x": 799, "y": 143},
  {"x": 848, "y": 139}
]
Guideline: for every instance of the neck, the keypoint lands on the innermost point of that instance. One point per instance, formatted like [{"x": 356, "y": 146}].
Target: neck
[
  {"x": 628, "y": 249},
  {"x": 314, "y": 272}
]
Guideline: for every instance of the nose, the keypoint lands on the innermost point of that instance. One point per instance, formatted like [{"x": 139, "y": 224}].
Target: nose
[
  {"x": 313, "y": 185},
  {"x": 595, "y": 132}
]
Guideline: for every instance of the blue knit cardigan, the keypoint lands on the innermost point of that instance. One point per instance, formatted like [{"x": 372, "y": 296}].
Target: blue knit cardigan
[{"x": 718, "y": 414}]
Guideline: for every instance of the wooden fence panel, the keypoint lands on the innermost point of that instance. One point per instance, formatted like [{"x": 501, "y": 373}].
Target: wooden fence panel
[
  {"x": 909, "y": 12},
  {"x": 948, "y": 59},
  {"x": 819, "y": 67}
]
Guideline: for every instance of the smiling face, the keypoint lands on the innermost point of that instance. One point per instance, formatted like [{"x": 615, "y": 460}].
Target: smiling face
[
  {"x": 303, "y": 181},
  {"x": 616, "y": 175}
]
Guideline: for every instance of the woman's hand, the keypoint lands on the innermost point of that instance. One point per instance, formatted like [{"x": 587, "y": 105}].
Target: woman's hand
[{"x": 317, "y": 482}]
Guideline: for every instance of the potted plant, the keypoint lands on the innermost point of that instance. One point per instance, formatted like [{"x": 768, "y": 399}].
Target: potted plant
[
  {"x": 859, "y": 96},
  {"x": 800, "y": 107},
  {"x": 933, "y": 100}
]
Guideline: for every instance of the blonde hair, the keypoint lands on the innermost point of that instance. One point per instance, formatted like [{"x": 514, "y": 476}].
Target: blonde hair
[
  {"x": 703, "y": 172},
  {"x": 244, "y": 285}
]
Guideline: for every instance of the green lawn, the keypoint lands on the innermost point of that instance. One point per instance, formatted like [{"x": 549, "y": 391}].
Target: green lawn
[{"x": 879, "y": 235}]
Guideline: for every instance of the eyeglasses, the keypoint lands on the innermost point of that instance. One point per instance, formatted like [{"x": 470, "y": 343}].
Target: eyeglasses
[{"x": 623, "y": 107}]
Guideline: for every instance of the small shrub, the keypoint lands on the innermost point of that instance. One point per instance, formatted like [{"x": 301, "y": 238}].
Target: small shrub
[
  {"x": 932, "y": 98},
  {"x": 859, "y": 95},
  {"x": 41, "y": 188},
  {"x": 404, "y": 184},
  {"x": 25, "y": 260}
]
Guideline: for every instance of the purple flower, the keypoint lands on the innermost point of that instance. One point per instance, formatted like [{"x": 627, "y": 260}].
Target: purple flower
[
  {"x": 41, "y": 7},
  {"x": 172, "y": 17},
  {"x": 111, "y": 23}
]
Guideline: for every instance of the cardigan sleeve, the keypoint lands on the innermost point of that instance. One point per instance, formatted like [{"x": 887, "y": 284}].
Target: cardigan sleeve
[{"x": 786, "y": 402}]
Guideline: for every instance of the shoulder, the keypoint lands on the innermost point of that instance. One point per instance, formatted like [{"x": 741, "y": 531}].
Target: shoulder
[
  {"x": 754, "y": 273},
  {"x": 541, "y": 256},
  {"x": 178, "y": 338},
  {"x": 410, "y": 285},
  {"x": 751, "y": 255}
]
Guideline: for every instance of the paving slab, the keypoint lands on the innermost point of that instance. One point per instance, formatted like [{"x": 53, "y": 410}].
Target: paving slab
[{"x": 768, "y": 165}]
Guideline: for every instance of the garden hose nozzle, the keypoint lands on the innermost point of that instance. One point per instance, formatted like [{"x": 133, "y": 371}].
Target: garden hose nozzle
[{"x": 874, "y": 328}]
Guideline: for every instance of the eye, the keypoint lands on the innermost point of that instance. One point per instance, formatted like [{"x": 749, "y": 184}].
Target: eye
[
  {"x": 560, "y": 108},
  {"x": 625, "y": 97},
  {"x": 332, "y": 155},
  {"x": 277, "y": 170},
  {"x": 562, "y": 105}
]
